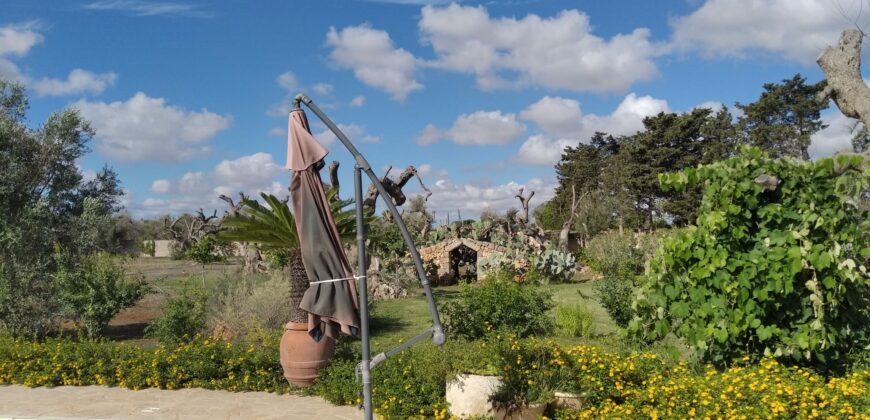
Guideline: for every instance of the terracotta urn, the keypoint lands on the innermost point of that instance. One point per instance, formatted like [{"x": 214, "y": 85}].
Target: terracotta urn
[{"x": 301, "y": 356}]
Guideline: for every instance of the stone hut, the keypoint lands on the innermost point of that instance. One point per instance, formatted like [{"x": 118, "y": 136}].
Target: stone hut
[{"x": 458, "y": 258}]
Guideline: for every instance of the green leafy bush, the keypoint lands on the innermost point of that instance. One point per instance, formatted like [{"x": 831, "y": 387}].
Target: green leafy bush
[
  {"x": 93, "y": 290},
  {"x": 183, "y": 318},
  {"x": 615, "y": 294},
  {"x": 498, "y": 304},
  {"x": 777, "y": 264},
  {"x": 614, "y": 254},
  {"x": 574, "y": 321},
  {"x": 205, "y": 250}
]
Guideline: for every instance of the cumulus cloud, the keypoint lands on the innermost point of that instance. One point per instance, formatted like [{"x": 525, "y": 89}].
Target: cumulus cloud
[
  {"x": 78, "y": 81},
  {"x": 353, "y": 131},
  {"x": 161, "y": 186},
  {"x": 562, "y": 118},
  {"x": 287, "y": 80},
  {"x": 473, "y": 197},
  {"x": 564, "y": 124},
  {"x": 251, "y": 174},
  {"x": 836, "y": 137},
  {"x": 426, "y": 170},
  {"x": 144, "y": 128},
  {"x": 477, "y": 128},
  {"x": 795, "y": 30},
  {"x": 19, "y": 39},
  {"x": 557, "y": 52},
  {"x": 322, "y": 88},
  {"x": 540, "y": 150},
  {"x": 358, "y": 101},
  {"x": 191, "y": 182},
  {"x": 374, "y": 59}
]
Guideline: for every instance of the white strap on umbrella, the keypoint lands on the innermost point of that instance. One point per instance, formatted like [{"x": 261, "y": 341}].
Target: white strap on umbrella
[{"x": 335, "y": 280}]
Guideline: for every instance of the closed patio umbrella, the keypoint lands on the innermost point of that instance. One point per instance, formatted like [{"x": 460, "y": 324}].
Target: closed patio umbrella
[{"x": 331, "y": 299}]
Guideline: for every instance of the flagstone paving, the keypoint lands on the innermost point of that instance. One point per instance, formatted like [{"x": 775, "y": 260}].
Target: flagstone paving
[{"x": 98, "y": 402}]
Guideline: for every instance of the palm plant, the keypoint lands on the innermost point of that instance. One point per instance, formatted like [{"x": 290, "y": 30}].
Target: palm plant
[{"x": 271, "y": 227}]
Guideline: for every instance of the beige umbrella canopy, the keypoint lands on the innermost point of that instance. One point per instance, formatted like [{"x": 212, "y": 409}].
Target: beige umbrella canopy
[{"x": 331, "y": 299}]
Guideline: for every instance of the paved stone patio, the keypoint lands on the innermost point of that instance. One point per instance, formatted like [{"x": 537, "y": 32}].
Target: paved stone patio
[{"x": 98, "y": 402}]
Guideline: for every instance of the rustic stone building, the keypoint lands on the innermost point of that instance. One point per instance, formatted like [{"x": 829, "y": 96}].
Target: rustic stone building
[{"x": 453, "y": 256}]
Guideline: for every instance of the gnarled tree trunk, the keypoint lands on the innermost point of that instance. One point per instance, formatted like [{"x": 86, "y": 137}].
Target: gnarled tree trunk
[{"x": 842, "y": 68}]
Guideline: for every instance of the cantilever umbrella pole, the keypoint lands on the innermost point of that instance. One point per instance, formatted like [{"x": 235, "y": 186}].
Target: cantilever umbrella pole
[{"x": 437, "y": 331}]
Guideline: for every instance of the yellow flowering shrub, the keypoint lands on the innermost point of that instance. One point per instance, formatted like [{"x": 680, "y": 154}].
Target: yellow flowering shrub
[
  {"x": 764, "y": 390},
  {"x": 200, "y": 363}
]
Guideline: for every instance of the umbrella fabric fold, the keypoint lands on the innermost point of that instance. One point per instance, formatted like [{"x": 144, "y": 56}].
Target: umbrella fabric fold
[{"x": 331, "y": 305}]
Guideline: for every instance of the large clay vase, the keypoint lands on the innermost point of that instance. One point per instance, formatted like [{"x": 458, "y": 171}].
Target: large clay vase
[{"x": 301, "y": 356}]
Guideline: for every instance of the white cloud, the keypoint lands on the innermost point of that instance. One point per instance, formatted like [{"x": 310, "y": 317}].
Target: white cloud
[
  {"x": 353, "y": 131},
  {"x": 322, "y": 88},
  {"x": 714, "y": 106},
  {"x": 19, "y": 39},
  {"x": 563, "y": 118},
  {"x": 558, "y": 52},
  {"x": 78, "y": 81},
  {"x": 250, "y": 174},
  {"x": 558, "y": 116},
  {"x": 429, "y": 135},
  {"x": 374, "y": 60},
  {"x": 795, "y": 30},
  {"x": 278, "y": 131},
  {"x": 540, "y": 150},
  {"x": 255, "y": 170},
  {"x": 426, "y": 170},
  {"x": 161, "y": 186},
  {"x": 358, "y": 101},
  {"x": 287, "y": 80},
  {"x": 191, "y": 182},
  {"x": 836, "y": 137},
  {"x": 477, "y": 128},
  {"x": 144, "y": 128},
  {"x": 473, "y": 197},
  {"x": 149, "y": 8}
]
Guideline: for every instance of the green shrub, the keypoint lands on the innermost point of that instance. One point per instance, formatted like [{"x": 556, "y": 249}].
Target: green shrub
[
  {"x": 249, "y": 303},
  {"x": 777, "y": 264},
  {"x": 205, "y": 250},
  {"x": 93, "y": 290},
  {"x": 574, "y": 321},
  {"x": 615, "y": 294},
  {"x": 183, "y": 318},
  {"x": 614, "y": 254},
  {"x": 501, "y": 305}
]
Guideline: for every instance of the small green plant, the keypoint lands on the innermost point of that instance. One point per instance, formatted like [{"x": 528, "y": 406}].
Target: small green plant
[
  {"x": 498, "y": 304},
  {"x": 574, "y": 321},
  {"x": 94, "y": 289},
  {"x": 615, "y": 294},
  {"x": 182, "y": 319}
]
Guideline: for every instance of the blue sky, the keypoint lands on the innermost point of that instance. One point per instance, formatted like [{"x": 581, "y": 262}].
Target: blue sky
[{"x": 189, "y": 99}]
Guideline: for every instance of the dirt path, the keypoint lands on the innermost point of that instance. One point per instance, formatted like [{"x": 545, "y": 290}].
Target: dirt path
[{"x": 97, "y": 402}]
